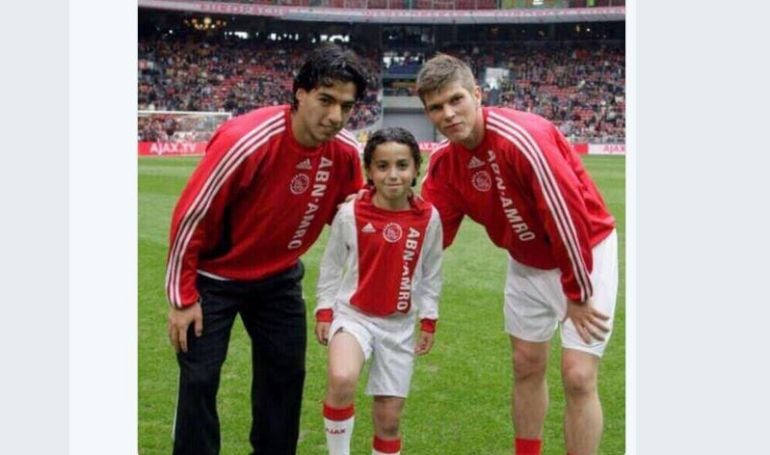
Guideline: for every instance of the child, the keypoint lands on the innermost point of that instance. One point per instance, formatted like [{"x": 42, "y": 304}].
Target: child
[{"x": 381, "y": 269}]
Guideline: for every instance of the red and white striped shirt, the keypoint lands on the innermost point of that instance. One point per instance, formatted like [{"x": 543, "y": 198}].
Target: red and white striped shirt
[
  {"x": 526, "y": 185},
  {"x": 256, "y": 202},
  {"x": 382, "y": 261}
]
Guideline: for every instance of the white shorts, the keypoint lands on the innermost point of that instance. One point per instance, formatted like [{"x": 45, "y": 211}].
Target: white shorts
[
  {"x": 535, "y": 301},
  {"x": 387, "y": 341}
]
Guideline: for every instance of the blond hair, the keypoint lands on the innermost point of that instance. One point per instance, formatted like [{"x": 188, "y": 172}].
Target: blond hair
[{"x": 441, "y": 70}]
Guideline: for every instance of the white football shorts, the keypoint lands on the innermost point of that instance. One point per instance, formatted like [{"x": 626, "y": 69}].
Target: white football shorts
[
  {"x": 387, "y": 341},
  {"x": 535, "y": 302}
]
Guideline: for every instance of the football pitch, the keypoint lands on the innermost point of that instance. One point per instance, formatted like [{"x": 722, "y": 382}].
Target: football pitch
[{"x": 459, "y": 403}]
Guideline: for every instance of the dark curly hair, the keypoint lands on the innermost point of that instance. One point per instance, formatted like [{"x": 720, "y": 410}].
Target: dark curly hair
[
  {"x": 326, "y": 65},
  {"x": 394, "y": 134}
]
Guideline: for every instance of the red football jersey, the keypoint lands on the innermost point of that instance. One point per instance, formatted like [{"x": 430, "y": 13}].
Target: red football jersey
[
  {"x": 526, "y": 185},
  {"x": 383, "y": 261},
  {"x": 256, "y": 202}
]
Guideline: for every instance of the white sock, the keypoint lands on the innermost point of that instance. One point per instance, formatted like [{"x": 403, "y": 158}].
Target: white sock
[{"x": 338, "y": 432}]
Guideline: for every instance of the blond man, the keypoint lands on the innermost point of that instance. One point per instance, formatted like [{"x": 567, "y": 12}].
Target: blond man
[{"x": 514, "y": 173}]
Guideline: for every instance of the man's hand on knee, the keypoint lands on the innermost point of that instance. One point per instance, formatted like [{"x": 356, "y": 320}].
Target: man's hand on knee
[
  {"x": 589, "y": 322},
  {"x": 179, "y": 321}
]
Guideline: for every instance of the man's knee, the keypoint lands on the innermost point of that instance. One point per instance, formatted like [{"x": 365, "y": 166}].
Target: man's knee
[
  {"x": 199, "y": 375},
  {"x": 580, "y": 379},
  {"x": 529, "y": 362},
  {"x": 287, "y": 377},
  {"x": 288, "y": 364}
]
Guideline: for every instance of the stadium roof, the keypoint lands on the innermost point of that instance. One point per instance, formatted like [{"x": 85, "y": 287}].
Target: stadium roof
[{"x": 384, "y": 16}]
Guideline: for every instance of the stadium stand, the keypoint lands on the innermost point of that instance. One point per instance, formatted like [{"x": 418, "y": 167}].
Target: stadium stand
[
  {"x": 188, "y": 73},
  {"x": 580, "y": 87},
  {"x": 574, "y": 77}
]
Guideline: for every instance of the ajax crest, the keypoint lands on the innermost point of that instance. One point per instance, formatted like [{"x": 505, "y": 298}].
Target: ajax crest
[
  {"x": 482, "y": 181},
  {"x": 299, "y": 184},
  {"x": 392, "y": 232}
]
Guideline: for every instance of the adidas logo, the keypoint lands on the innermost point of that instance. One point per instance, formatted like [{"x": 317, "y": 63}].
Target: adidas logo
[
  {"x": 305, "y": 164},
  {"x": 368, "y": 228},
  {"x": 474, "y": 163}
]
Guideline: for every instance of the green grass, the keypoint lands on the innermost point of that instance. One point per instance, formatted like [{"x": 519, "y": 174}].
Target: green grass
[{"x": 459, "y": 404}]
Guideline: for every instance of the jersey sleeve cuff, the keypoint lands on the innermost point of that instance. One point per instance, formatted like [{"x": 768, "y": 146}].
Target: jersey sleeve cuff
[
  {"x": 185, "y": 305},
  {"x": 574, "y": 295},
  {"x": 577, "y": 300},
  {"x": 428, "y": 325},
  {"x": 324, "y": 315}
]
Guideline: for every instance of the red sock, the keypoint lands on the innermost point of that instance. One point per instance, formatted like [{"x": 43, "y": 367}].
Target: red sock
[
  {"x": 528, "y": 446},
  {"x": 383, "y": 446},
  {"x": 338, "y": 413},
  {"x": 338, "y": 424}
]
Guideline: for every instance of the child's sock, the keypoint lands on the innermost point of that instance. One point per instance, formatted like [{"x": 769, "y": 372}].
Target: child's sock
[{"x": 339, "y": 428}]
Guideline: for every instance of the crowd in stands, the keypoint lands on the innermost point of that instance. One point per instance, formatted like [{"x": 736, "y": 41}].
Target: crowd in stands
[
  {"x": 580, "y": 87},
  {"x": 231, "y": 75},
  {"x": 165, "y": 127}
]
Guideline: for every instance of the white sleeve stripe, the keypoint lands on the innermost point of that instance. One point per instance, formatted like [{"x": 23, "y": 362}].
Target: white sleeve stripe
[
  {"x": 524, "y": 142},
  {"x": 350, "y": 141},
  {"x": 232, "y": 159},
  {"x": 345, "y": 133},
  {"x": 572, "y": 232},
  {"x": 575, "y": 257},
  {"x": 547, "y": 178},
  {"x": 348, "y": 134},
  {"x": 198, "y": 210},
  {"x": 442, "y": 145},
  {"x": 202, "y": 203},
  {"x": 244, "y": 147}
]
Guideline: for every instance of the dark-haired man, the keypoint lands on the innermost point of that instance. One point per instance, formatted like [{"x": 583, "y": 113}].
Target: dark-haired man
[
  {"x": 514, "y": 173},
  {"x": 257, "y": 201}
]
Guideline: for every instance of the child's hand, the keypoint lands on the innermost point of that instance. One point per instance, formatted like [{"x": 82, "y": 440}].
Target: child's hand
[
  {"x": 322, "y": 332},
  {"x": 424, "y": 343}
]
